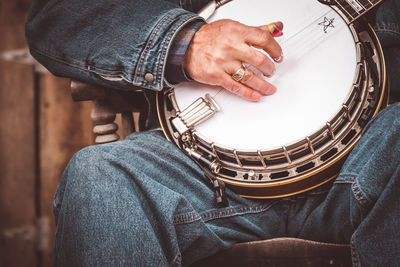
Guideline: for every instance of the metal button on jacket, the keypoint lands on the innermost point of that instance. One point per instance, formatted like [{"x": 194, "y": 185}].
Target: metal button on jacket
[{"x": 149, "y": 77}]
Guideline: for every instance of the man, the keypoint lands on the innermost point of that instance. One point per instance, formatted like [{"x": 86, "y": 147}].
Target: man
[{"x": 142, "y": 202}]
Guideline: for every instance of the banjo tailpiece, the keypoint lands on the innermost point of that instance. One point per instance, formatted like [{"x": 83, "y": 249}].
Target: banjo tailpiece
[{"x": 295, "y": 167}]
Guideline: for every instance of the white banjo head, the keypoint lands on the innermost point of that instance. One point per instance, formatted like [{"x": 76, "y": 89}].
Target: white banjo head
[{"x": 313, "y": 81}]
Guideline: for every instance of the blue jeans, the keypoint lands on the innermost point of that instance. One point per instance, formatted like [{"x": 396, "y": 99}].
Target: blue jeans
[
  {"x": 387, "y": 28},
  {"x": 142, "y": 202}
]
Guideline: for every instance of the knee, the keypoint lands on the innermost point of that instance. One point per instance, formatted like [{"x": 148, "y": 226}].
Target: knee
[
  {"x": 88, "y": 174},
  {"x": 91, "y": 182},
  {"x": 387, "y": 121},
  {"x": 78, "y": 180},
  {"x": 86, "y": 165}
]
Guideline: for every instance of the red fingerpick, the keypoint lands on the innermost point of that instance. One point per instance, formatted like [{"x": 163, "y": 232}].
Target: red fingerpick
[{"x": 274, "y": 29}]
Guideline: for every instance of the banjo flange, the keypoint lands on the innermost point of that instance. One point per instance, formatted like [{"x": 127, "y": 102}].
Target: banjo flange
[{"x": 290, "y": 168}]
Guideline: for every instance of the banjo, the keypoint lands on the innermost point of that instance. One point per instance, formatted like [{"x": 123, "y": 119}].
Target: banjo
[{"x": 331, "y": 83}]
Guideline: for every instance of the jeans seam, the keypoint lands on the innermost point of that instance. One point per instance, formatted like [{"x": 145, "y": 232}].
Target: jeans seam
[
  {"x": 233, "y": 211},
  {"x": 186, "y": 218},
  {"x": 219, "y": 213},
  {"x": 345, "y": 178},
  {"x": 360, "y": 195},
  {"x": 177, "y": 261},
  {"x": 353, "y": 251}
]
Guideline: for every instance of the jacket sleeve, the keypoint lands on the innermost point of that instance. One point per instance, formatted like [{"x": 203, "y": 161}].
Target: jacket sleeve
[{"x": 117, "y": 43}]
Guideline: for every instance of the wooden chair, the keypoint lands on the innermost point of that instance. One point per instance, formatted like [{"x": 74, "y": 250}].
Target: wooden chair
[
  {"x": 107, "y": 104},
  {"x": 274, "y": 252}
]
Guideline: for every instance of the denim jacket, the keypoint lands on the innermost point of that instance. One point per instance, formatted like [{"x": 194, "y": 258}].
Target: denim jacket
[
  {"x": 124, "y": 43},
  {"x": 120, "y": 43}
]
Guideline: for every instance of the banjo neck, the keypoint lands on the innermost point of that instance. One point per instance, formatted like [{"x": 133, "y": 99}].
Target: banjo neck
[{"x": 352, "y": 9}]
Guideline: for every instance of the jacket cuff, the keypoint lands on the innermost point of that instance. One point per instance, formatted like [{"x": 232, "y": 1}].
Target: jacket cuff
[
  {"x": 150, "y": 68},
  {"x": 174, "y": 70}
]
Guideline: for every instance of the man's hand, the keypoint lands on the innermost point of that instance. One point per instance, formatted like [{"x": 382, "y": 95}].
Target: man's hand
[{"x": 220, "y": 48}]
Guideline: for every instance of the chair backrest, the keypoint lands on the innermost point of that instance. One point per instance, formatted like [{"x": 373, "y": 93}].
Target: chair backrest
[{"x": 107, "y": 103}]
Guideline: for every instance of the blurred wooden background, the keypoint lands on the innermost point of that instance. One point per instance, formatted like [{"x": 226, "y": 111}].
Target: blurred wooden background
[{"x": 40, "y": 129}]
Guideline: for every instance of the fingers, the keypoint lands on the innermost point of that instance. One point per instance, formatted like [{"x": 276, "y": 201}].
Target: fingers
[
  {"x": 262, "y": 38},
  {"x": 257, "y": 59},
  {"x": 250, "y": 86},
  {"x": 239, "y": 89},
  {"x": 219, "y": 49},
  {"x": 251, "y": 80}
]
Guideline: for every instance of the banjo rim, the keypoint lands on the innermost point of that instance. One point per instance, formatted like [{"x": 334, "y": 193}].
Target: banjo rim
[{"x": 382, "y": 102}]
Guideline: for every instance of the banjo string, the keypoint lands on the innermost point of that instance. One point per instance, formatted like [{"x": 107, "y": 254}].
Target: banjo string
[
  {"x": 301, "y": 40},
  {"x": 308, "y": 26}
]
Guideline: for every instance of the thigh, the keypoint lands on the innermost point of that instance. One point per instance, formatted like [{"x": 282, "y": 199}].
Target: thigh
[
  {"x": 179, "y": 179},
  {"x": 144, "y": 188},
  {"x": 365, "y": 181}
]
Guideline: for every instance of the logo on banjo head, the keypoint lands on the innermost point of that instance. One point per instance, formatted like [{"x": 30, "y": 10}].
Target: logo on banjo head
[{"x": 327, "y": 23}]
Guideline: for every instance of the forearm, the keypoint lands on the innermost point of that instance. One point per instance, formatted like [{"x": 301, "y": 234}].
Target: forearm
[{"x": 111, "y": 43}]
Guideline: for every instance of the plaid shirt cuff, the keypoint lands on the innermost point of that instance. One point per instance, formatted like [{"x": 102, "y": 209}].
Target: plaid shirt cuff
[{"x": 174, "y": 71}]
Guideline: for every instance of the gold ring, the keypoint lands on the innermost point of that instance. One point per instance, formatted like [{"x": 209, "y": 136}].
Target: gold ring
[{"x": 239, "y": 74}]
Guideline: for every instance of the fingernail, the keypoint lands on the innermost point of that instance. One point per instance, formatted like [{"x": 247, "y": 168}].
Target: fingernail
[
  {"x": 270, "y": 91},
  {"x": 278, "y": 59},
  {"x": 272, "y": 74},
  {"x": 274, "y": 29},
  {"x": 255, "y": 96}
]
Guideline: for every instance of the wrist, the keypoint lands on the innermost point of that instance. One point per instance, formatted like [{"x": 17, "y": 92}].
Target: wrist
[{"x": 175, "y": 71}]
